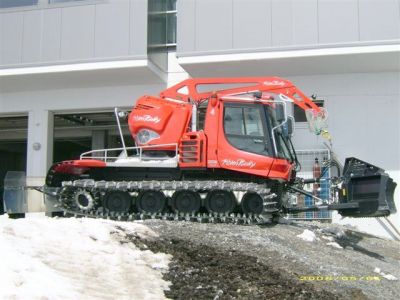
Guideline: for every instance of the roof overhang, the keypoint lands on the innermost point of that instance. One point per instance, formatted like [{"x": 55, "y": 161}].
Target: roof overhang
[
  {"x": 101, "y": 73},
  {"x": 357, "y": 59}
]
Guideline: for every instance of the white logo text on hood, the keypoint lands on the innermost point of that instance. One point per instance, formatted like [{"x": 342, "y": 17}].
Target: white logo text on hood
[
  {"x": 147, "y": 118},
  {"x": 238, "y": 163}
]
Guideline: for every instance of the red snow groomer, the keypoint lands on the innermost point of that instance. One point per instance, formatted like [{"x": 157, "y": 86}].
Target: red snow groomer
[{"x": 215, "y": 149}]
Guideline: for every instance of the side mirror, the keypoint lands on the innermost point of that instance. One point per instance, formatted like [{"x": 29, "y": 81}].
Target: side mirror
[
  {"x": 280, "y": 112},
  {"x": 213, "y": 101},
  {"x": 290, "y": 125}
]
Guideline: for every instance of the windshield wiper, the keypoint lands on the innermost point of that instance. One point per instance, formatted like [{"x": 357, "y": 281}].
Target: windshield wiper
[
  {"x": 292, "y": 158},
  {"x": 298, "y": 165}
]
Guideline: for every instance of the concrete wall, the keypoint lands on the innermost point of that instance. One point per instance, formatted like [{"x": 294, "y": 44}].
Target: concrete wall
[
  {"x": 207, "y": 26},
  {"x": 71, "y": 32}
]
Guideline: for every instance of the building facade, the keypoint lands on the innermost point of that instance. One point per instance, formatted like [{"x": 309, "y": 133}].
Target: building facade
[{"x": 65, "y": 64}]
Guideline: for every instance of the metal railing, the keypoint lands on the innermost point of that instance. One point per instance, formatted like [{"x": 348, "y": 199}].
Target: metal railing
[{"x": 107, "y": 155}]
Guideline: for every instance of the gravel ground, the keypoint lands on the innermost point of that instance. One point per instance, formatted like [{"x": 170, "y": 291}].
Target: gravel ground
[{"x": 224, "y": 261}]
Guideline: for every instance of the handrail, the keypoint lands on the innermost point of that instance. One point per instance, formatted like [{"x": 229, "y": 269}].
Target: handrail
[{"x": 139, "y": 152}]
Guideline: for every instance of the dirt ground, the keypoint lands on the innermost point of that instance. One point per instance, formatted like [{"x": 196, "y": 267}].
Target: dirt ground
[{"x": 224, "y": 261}]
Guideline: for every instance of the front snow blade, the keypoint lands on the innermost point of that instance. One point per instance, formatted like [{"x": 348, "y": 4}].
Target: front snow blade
[{"x": 368, "y": 186}]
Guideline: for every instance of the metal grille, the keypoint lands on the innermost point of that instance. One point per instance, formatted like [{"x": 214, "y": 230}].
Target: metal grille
[{"x": 307, "y": 160}]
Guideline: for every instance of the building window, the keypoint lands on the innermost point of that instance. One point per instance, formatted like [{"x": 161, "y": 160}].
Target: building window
[
  {"x": 300, "y": 115},
  {"x": 17, "y": 3},
  {"x": 162, "y": 5},
  {"x": 162, "y": 23},
  {"x": 171, "y": 28}
]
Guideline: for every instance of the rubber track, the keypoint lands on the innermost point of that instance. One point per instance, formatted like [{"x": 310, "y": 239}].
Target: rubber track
[{"x": 269, "y": 214}]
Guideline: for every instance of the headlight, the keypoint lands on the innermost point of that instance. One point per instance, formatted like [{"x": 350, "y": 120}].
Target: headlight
[{"x": 145, "y": 135}]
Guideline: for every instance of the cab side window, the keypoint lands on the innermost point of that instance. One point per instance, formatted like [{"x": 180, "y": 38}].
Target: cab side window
[{"x": 244, "y": 128}]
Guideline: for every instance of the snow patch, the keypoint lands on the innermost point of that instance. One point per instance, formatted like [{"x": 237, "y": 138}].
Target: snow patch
[
  {"x": 307, "y": 236},
  {"x": 384, "y": 275},
  {"x": 77, "y": 259},
  {"x": 334, "y": 245},
  {"x": 389, "y": 277}
]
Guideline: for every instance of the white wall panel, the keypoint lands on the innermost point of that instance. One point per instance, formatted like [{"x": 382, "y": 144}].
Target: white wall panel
[
  {"x": 51, "y": 47},
  {"x": 112, "y": 29},
  {"x": 282, "y": 22},
  {"x": 1, "y": 38},
  {"x": 138, "y": 27},
  {"x": 338, "y": 21},
  {"x": 77, "y": 32},
  {"x": 69, "y": 33},
  {"x": 363, "y": 115},
  {"x": 12, "y": 28},
  {"x": 186, "y": 26},
  {"x": 213, "y": 25},
  {"x": 205, "y": 26},
  {"x": 77, "y": 99},
  {"x": 379, "y": 19},
  {"x": 32, "y": 36},
  {"x": 251, "y": 24},
  {"x": 305, "y": 22}
]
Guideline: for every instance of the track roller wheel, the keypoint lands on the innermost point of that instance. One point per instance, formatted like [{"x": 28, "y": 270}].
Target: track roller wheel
[
  {"x": 117, "y": 201},
  {"x": 151, "y": 202},
  {"x": 186, "y": 202},
  {"x": 220, "y": 201},
  {"x": 252, "y": 203},
  {"x": 84, "y": 200}
]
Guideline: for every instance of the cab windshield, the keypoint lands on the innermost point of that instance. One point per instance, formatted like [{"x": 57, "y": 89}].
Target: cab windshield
[{"x": 284, "y": 146}]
